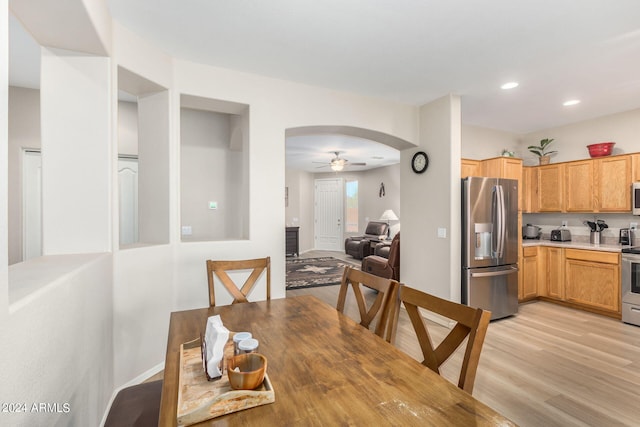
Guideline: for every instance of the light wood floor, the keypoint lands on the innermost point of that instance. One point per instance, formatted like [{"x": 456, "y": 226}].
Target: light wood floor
[{"x": 547, "y": 366}]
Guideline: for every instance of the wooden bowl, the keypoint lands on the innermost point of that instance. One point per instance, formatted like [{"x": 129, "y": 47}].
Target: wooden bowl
[
  {"x": 601, "y": 149},
  {"x": 252, "y": 367}
]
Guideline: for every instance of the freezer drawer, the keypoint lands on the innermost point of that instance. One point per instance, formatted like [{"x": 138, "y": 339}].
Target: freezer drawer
[{"x": 492, "y": 288}]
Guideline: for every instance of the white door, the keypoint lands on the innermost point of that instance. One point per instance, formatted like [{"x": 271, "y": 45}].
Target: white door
[
  {"x": 31, "y": 204},
  {"x": 128, "y": 199},
  {"x": 328, "y": 214}
]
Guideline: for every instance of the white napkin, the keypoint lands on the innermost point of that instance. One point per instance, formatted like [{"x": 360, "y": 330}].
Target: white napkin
[{"x": 216, "y": 336}]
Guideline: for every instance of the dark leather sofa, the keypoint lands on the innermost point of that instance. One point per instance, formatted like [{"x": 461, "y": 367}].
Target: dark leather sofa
[
  {"x": 360, "y": 246},
  {"x": 383, "y": 267}
]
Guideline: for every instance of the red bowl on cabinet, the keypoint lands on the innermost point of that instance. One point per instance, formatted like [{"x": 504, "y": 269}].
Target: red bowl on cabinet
[{"x": 601, "y": 149}]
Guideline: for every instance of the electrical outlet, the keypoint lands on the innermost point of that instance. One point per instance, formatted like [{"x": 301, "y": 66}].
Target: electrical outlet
[
  {"x": 565, "y": 223},
  {"x": 633, "y": 225}
]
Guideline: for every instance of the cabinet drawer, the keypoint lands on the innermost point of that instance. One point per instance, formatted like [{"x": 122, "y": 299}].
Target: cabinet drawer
[
  {"x": 593, "y": 256},
  {"x": 530, "y": 251}
]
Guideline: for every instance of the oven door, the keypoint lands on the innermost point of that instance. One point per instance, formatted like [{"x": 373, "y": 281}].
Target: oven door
[{"x": 630, "y": 288}]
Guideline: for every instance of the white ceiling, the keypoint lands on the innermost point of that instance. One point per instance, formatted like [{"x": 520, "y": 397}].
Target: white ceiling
[{"x": 415, "y": 51}]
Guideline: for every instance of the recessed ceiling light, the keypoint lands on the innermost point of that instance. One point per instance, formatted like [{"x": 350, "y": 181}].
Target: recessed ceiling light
[
  {"x": 571, "y": 102},
  {"x": 510, "y": 85}
]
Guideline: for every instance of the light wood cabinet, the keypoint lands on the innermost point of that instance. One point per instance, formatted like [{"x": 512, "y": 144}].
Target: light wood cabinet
[
  {"x": 579, "y": 191},
  {"x": 614, "y": 181},
  {"x": 635, "y": 167},
  {"x": 530, "y": 277},
  {"x": 593, "y": 279},
  {"x": 470, "y": 167},
  {"x": 529, "y": 189},
  {"x": 555, "y": 273},
  {"x": 550, "y": 188}
]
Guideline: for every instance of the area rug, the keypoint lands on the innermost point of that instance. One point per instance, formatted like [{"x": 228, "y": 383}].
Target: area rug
[{"x": 314, "y": 272}]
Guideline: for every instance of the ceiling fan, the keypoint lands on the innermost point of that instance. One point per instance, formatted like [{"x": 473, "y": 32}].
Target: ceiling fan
[{"x": 338, "y": 163}]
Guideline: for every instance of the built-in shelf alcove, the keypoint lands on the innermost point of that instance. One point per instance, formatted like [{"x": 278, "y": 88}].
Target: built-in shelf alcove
[
  {"x": 143, "y": 160},
  {"x": 214, "y": 174}
]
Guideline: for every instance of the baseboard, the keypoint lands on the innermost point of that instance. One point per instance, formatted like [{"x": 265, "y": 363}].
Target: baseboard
[{"x": 137, "y": 380}]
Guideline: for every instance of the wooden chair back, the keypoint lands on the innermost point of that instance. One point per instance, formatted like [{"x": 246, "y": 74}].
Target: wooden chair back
[
  {"x": 471, "y": 322},
  {"x": 383, "y": 306},
  {"x": 220, "y": 268}
]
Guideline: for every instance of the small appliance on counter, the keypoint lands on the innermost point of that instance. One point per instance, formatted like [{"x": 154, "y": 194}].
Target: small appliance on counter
[
  {"x": 626, "y": 236},
  {"x": 531, "y": 232},
  {"x": 561, "y": 235}
]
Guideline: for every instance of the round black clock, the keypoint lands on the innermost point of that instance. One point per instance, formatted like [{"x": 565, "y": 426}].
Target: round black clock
[{"x": 420, "y": 162}]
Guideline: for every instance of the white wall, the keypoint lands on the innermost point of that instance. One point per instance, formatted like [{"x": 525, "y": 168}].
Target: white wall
[
  {"x": 76, "y": 152},
  {"x": 482, "y": 143},
  {"x": 431, "y": 200},
  {"x": 571, "y": 141},
  {"x": 127, "y": 128},
  {"x": 24, "y": 132},
  {"x": 210, "y": 171}
]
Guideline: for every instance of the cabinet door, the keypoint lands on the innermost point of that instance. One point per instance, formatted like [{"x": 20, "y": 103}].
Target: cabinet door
[
  {"x": 635, "y": 167},
  {"x": 555, "y": 273},
  {"x": 579, "y": 194},
  {"x": 529, "y": 273},
  {"x": 550, "y": 188},
  {"x": 614, "y": 179},
  {"x": 593, "y": 283},
  {"x": 469, "y": 168}
]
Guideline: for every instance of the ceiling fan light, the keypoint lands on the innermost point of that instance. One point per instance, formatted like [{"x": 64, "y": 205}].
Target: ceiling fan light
[{"x": 337, "y": 166}]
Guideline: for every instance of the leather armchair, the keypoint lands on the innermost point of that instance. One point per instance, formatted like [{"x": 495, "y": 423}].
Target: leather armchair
[
  {"x": 360, "y": 246},
  {"x": 383, "y": 267}
]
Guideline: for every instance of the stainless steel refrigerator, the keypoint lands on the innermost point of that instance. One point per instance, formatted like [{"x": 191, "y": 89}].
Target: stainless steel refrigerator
[{"x": 490, "y": 245}]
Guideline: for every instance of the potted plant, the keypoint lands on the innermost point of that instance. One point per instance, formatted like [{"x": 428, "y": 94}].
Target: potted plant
[{"x": 541, "y": 150}]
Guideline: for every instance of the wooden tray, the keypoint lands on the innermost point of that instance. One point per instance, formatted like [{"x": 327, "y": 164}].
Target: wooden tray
[{"x": 200, "y": 400}]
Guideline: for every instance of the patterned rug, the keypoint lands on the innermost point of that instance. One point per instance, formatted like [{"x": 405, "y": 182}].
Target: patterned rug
[{"x": 314, "y": 272}]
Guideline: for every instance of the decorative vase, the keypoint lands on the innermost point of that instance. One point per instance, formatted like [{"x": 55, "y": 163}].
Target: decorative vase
[{"x": 544, "y": 160}]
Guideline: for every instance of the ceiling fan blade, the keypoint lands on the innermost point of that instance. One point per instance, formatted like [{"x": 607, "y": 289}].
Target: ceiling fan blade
[{"x": 357, "y": 164}]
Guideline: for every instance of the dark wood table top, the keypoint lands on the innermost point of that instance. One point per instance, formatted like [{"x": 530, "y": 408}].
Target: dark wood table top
[{"x": 326, "y": 370}]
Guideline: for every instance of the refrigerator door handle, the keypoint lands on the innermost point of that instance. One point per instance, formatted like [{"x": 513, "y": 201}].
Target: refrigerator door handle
[
  {"x": 495, "y": 273},
  {"x": 501, "y": 211}
]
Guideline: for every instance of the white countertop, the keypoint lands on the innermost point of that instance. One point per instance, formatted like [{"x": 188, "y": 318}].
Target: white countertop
[{"x": 573, "y": 245}]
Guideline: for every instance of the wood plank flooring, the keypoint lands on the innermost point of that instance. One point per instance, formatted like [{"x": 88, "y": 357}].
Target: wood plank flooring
[{"x": 547, "y": 366}]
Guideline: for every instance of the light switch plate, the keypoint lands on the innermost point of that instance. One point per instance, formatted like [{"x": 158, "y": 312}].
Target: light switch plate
[
  {"x": 442, "y": 233},
  {"x": 186, "y": 230},
  {"x": 213, "y": 205}
]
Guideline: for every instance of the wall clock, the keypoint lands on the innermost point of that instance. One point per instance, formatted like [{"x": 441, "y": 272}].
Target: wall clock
[{"x": 420, "y": 162}]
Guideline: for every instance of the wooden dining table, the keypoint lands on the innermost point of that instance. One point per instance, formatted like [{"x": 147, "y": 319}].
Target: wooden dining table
[{"x": 325, "y": 369}]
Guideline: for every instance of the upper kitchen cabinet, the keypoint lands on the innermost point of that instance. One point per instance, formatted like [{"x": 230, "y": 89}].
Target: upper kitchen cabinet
[
  {"x": 613, "y": 175},
  {"x": 503, "y": 167},
  {"x": 635, "y": 167},
  {"x": 470, "y": 167},
  {"x": 550, "y": 188},
  {"x": 593, "y": 185},
  {"x": 529, "y": 193},
  {"x": 579, "y": 186}
]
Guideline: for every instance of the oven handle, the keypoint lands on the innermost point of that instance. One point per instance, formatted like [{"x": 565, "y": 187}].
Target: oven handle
[{"x": 635, "y": 309}]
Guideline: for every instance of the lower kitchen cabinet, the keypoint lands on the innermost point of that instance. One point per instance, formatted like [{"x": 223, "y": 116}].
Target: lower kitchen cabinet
[
  {"x": 530, "y": 277},
  {"x": 555, "y": 273},
  {"x": 593, "y": 279}
]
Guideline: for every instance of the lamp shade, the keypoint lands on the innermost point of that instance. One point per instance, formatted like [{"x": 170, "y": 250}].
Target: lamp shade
[{"x": 389, "y": 215}]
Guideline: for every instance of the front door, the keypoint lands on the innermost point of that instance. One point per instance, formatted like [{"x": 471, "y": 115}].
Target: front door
[{"x": 328, "y": 214}]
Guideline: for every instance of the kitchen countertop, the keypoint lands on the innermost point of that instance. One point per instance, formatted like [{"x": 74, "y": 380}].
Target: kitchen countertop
[{"x": 573, "y": 245}]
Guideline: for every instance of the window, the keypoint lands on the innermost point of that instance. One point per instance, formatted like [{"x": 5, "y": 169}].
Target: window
[{"x": 352, "y": 207}]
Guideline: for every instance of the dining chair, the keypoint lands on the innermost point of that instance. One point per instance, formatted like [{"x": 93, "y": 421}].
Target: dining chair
[
  {"x": 382, "y": 307},
  {"x": 239, "y": 294},
  {"x": 136, "y": 406},
  {"x": 470, "y": 321}
]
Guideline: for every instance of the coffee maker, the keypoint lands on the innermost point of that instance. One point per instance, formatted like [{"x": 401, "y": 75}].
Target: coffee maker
[{"x": 626, "y": 236}]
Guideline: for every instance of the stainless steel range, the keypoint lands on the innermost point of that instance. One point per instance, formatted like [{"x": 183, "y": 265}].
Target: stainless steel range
[{"x": 631, "y": 285}]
